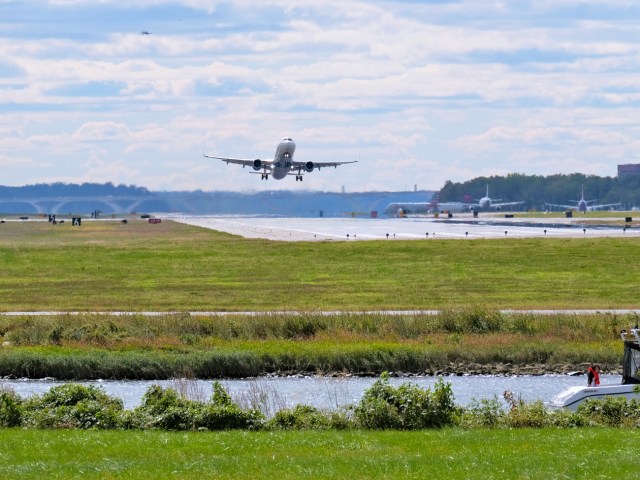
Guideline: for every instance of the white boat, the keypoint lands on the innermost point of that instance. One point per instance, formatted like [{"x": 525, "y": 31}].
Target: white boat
[{"x": 572, "y": 397}]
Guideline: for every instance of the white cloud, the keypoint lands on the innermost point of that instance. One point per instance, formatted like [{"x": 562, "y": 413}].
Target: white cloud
[{"x": 420, "y": 92}]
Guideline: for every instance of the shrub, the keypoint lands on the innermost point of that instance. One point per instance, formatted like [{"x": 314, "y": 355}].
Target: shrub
[
  {"x": 10, "y": 408},
  {"x": 563, "y": 418},
  {"x": 165, "y": 409},
  {"x": 484, "y": 413},
  {"x": 73, "y": 406},
  {"x": 611, "y": 411},
  {"x": 526, "y": 415},
  {"x": 301, "y": 417},
  {"x": 406, "y": 407},
  {"x": 215, "y": 417},
  {"x": 222, "y": 413}
]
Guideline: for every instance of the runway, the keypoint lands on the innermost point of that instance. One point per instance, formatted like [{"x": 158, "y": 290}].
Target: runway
[{"x": 359, "y": 229}]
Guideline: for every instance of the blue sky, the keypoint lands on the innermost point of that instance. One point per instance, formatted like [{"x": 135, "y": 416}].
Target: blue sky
[{"x": 420, "y": 92}]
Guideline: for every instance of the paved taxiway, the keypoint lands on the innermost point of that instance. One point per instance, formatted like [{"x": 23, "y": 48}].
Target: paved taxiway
[{"x": 357, "y": 229}]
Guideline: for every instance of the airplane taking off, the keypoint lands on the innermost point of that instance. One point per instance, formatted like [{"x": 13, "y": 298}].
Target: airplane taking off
[
  {"x": 487, "y": 203},
  {"x": 583, "y": 205},
  {"x": 282, "y": 163}
]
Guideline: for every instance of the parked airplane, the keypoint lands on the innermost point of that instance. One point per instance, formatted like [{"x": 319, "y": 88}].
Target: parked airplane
[
  {"x": 487, "y": 203},
  {"x": 400, "y": 209},
  {"x": 282, "y": 163},
  {"x": 583, "y": 205}
]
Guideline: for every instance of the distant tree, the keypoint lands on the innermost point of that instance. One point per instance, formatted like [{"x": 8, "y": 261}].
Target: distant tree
[{"x": 536, "y": 190}]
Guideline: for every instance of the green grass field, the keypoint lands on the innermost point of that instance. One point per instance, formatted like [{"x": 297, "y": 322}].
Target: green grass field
[
  {"x": 108, "y": 266},
  {"x": 451, "y": 454}
]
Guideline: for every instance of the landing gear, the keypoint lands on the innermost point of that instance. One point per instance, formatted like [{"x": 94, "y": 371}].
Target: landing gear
[
  {"x": 299, "y": 178},
  {"x": 264, "y": 176}
]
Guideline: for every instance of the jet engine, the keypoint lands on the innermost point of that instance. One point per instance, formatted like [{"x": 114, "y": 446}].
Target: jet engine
[
  {"x": 257, "y": 164},
  {"x": 309, "y": 166}
]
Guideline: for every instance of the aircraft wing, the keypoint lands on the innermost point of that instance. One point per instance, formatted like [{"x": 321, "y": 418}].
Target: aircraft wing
[
  {"x": 561, "y": 206},
  {"x": 245, "y": 163},
  {"x": 320, "y": 165},
  {"x": 598, "y": 207},
  {"x": 505, "y": 204}
]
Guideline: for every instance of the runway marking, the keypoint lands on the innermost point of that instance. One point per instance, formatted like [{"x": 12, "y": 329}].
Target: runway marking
[{"x": 344, "y": 229}]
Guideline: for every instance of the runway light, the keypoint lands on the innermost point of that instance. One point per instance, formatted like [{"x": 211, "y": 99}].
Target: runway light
[
  {"x": 387, "y": 236},
  {"x": 427, "y": 234},
  {"x": 347, "y": 236},
  {"x": 545, "y": 231},
  {"x": 505, "y": 233},
  {"x": 584, "y": 230},
  {"x": 466, "y": 234}
]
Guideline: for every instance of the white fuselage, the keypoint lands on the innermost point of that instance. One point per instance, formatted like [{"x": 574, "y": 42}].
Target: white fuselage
[
  {"x": 283, "y": 158},
  {"x": 485, "y": 203}
]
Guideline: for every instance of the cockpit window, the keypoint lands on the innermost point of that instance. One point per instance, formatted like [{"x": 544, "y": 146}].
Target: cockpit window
[{"x": 288, "y": 139}]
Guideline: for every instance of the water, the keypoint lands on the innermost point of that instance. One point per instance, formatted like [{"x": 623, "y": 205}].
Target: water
[{"x": 325, "y": 392}]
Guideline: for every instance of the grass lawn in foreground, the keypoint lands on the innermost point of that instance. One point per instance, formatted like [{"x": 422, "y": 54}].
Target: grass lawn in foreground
[
  {"x": 109, "y": 266},
  {"x": 476, "y": 454}
]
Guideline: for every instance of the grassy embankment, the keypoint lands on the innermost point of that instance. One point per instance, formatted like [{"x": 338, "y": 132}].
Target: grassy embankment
[
  {"x": 475, "y": 454},
  {"x": 107, "y": 266},
  {"x": 474, "y": 340}
]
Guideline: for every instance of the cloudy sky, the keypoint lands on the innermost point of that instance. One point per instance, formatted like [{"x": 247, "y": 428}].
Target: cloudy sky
[{"x": 419, "y": 92}]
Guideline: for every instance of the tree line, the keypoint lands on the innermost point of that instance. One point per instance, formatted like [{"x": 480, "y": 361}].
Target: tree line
[{"x": 536, "y": 190}]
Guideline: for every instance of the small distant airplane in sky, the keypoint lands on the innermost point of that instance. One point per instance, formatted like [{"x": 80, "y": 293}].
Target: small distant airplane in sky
[
  {"x": 487, "y": 203},
  {"x": 582, "y": 205},
  {"x": 282, "y": 163},
  {"x": 144, "y": 32}
]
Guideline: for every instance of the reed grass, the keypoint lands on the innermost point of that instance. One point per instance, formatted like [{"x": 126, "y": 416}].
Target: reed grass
[{"x": 91, "y": 346}]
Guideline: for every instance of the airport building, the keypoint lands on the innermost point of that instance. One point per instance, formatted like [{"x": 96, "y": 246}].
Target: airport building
[{"x": 628, "y": 169}]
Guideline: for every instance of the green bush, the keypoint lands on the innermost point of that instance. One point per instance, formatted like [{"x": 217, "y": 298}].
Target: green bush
[
  {"x": 165, "y": 409},
  {"x": 73, "y": 406},
  {"x": 301, "y": 417},
  {"x": 10, "y": 408},
  {"x": 407, "y": 407},
  {"x": 484, "y": 413},
  {"x": 528, "y": 415},
  {"x": 611, "y": 411}
]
